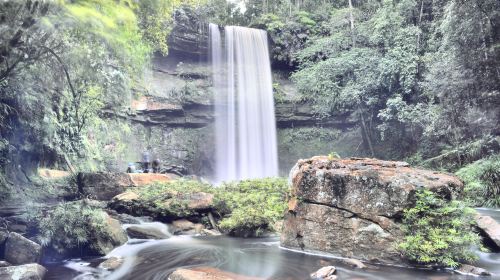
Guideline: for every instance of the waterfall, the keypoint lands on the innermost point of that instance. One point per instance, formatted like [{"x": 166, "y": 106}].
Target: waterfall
[{"x": 245, "y": 125}]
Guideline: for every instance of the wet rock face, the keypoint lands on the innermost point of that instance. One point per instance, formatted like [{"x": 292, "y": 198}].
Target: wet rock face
[
  {"x": 490, "y": 229},
  {"x": 23, "y": 272},
  {"x": 142, "y": 232},
  {"x": 106, "y": 185},
  {"x": 353, "y": 207},
  {"x": 115, "y": 236},
  {"x": 466, "y": 269},
  {"x": 112, "y": 263},
  {"x": 189, "y": 33},
  {"x": 20, "y": 250},
  {"x": 103, "y": 186}
]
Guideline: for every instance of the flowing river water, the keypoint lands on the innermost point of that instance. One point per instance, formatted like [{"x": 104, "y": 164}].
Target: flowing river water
[{"x": 262, "y": 257}]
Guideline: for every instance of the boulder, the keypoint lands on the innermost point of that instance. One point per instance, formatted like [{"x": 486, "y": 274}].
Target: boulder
[
  {"x": 127, "y": 196},
  {"x": 472, "y": 270},
  {"x": 207, "y": 273},
  {"x": 490, "y": 229},
  {"x": 53, "y": 173},
  {"x": 4, "y": 264},
  {"x": 353, "y": 207},
  {"x": 31, "y": 271},
  {"x": 114, "y": 237},
  {"x": 198, "y": 201},
  {"x": 145, "y": 232},
  {"x": 169, "y": 207},
  {"x": 103, "y": 185},
  {"x": 324, "y": 273},
  {"x": 106, "y": 185},
  {"x": 353, "y": 263},
  {"x": 184, "y": 226},
  {"x": 210, "y": 232},
  {"x": 20, "y": 250},
  {"x": 132, "y": 204},
  {"x": 4, "y": 234},
  {"x": 144, "y": 179},
  {"x": 112, "y": 263}
]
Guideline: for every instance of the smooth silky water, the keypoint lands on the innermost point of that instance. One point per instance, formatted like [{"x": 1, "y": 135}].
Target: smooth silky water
[
  {"x": 260, "y": 257},
  {"x": 246, "y": 145}
]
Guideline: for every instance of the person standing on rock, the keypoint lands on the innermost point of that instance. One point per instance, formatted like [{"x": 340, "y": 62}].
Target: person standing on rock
[{"x": 146, "y": 160}]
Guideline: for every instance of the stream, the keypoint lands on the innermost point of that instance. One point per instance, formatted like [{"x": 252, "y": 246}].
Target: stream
[{"x": 259, "y": 257}]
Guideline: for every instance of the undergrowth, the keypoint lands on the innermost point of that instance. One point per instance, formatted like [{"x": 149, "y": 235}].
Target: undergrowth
[{"x": 438, "y": 232}]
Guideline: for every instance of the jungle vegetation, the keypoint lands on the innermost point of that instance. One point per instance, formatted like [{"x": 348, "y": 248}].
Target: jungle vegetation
[{"x": 420, "y": 77}]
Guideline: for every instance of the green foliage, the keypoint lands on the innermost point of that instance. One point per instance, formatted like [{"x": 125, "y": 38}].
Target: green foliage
[
  {"x": 333, "y": 155},
  {"x": 156, "y": 190},
  {"x": 247, "y": 208},
  {"x": 75, "y": 58},
  {"x": 254, "y": 205},
  {"x": 69, "y": 225},
  {"x": 482, "y": 182},
  {"x": 289, "y": 34},
  {"x": 404, "y": 67},
  {"x": 115, "y": 23},
  {"x": 176, "y": 193},
  {"x": 439, "y": 232},
  {"x": 156, "y": 21}
]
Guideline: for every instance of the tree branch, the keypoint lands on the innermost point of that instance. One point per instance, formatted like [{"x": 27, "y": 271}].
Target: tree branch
[{"x": 66, "y": 72}]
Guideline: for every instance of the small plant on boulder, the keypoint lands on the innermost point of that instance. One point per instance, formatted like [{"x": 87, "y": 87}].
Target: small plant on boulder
[{"x": 438, "y": 232}]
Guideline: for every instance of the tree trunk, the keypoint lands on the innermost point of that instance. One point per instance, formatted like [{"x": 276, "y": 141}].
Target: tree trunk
[
  {"x": 365, "y": 131},
  {"x": 351, "y": 19},
  {"x": 418, "y": 36}
]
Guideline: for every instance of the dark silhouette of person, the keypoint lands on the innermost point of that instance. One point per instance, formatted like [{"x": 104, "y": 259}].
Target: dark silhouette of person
[{"x": 156, "y": 165}]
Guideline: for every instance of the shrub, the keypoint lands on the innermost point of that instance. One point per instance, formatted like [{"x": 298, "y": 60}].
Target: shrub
[
  {"x": 246, "y": 208},
  {"x": 156, "y": 190},
  {"x": 482, "y": 182},
  {"x": 253, "y": 205},
  {"x": 438, "y": 232},
  {"x": 69, "y": 225},
  {"x": 157, "y": 194}
]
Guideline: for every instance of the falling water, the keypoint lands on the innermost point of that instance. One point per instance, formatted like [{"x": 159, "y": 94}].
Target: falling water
[{"x": 245, "y": 121}]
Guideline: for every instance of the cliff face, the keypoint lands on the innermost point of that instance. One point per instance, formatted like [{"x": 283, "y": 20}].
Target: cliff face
[{"x": 175, "y": 116}]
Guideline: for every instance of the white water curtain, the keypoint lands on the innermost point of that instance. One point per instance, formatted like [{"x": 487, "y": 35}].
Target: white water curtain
[{"x": 246, "y": 142}]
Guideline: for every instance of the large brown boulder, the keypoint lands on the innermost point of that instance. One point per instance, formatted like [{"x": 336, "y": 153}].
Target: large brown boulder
[
  {"x": 20, "y": 250},
  {"x": 106, "y": 185},
  {"x": 103, "y": 185},
  {"x": 353, "y": 207},
  {"x": 31, "y": 271}
]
